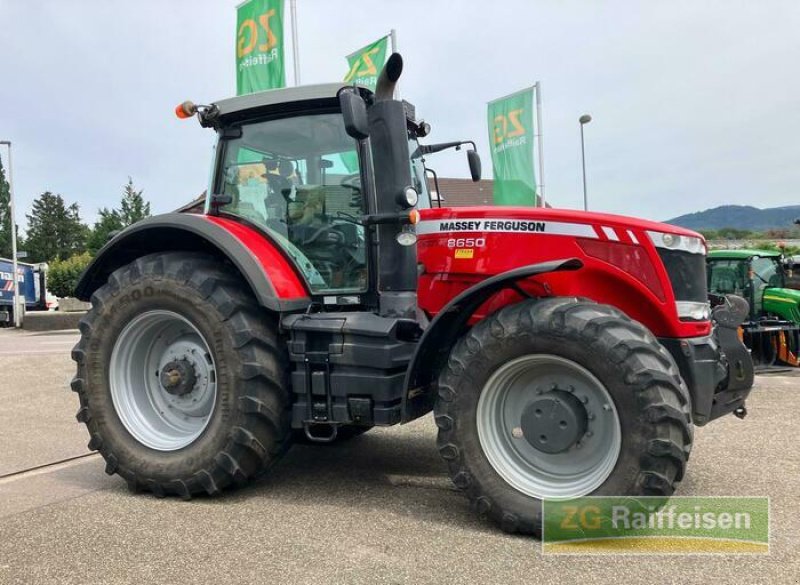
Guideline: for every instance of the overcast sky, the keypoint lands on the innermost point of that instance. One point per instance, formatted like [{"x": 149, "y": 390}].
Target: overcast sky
[{"x": 695, "y": 104}]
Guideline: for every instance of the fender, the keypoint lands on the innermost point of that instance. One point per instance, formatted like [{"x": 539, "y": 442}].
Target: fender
[
  {"x": 272, "y": 278},
  {"x": 450, "y": 323}
]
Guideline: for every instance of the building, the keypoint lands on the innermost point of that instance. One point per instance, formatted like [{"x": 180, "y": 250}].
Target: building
[{"x": 461, "y": 192}]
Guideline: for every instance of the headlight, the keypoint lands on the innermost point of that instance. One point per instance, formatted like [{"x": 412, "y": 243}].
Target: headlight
[
  {"x": 407, "y": 236},
  {"x": 689, "y": 244},
  {"x": 693, "y": 311},
  {"x": 408, "y": 198}
]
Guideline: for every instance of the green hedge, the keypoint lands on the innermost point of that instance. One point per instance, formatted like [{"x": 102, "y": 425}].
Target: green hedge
[{"x": 63, "y": 275}]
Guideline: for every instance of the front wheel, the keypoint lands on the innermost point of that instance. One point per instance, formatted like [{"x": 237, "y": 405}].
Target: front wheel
[
  {"x": 560, "y": 398},
  {"x": 181, "y": 377}
]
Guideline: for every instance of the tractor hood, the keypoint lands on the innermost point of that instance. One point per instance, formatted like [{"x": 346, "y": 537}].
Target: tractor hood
[
  {"x": 649, "y": 264},
  {"x": 784, "y": 302}
]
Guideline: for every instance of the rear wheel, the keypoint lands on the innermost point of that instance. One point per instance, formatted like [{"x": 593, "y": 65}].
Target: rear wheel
[
  {"x": 560, "y": 398},
  {"x": 181, "y": 377}
]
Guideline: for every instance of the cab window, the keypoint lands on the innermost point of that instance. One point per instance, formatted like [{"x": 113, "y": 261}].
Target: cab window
[{"x": 299, "y": 179}]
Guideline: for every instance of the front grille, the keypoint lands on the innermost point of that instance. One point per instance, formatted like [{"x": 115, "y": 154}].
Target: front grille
[{"x": 687, "y": 273}]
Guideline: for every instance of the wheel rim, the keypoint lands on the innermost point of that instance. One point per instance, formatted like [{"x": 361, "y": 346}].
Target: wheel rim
[
  {"x": 163, "y": 380},
  {"x": 520, "y": 399}
]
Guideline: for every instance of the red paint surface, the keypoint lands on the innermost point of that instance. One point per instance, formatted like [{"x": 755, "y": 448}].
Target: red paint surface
[
  {"x": 446, "y": 276},
  {"x": 287, "y": 283}
]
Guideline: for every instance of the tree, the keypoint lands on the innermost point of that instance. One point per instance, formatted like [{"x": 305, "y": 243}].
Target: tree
[
  {"x": 55, "y": 230},
  {"x": 133, "y": 207},
  {"x": 5, "y": 215},
  {"x": 108, "y": 222},
  {"x": 63, "y": 275}
]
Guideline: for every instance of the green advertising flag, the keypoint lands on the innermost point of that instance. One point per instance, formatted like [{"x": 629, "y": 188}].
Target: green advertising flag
[
  {"x": 260, "y": 63},
  {"x": 366, "y": 63},
  {"x": 511, "y": 143}
]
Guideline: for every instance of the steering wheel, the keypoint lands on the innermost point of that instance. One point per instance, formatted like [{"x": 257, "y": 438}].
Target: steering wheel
[
  {"x": 337, "y": 239},
  {"x": 350, "y": 181}
]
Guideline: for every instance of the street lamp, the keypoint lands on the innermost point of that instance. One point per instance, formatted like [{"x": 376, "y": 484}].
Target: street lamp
[
  {"x": 585, "y": 119},
  {"x": 13, "y": 234}
]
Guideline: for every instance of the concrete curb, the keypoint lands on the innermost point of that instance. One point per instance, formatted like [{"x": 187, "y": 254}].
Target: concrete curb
[{"x": 51, "y": 320}]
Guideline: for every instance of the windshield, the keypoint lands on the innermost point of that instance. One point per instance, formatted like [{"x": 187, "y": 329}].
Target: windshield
[
  {"x": 767, "y": 271},
  {"x": 740, "y": 277},
  {"x": 727, "y": 277},
  {"x": 299, "y": 179}
]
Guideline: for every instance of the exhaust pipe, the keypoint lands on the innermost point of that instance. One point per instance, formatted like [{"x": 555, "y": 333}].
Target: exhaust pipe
[{"x": 384, "y": 90}]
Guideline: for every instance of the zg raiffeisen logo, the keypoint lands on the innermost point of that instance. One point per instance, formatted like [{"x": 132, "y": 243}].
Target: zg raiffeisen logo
[
  {"x": 508, "y": 130},
  {"x": 257, "y": 33},
  {"x": 648, "y": 525},
  {"x": 364, "y": 71}
]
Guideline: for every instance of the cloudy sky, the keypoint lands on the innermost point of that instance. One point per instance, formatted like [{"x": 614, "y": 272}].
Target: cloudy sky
[{"x": 695, "y": 104}]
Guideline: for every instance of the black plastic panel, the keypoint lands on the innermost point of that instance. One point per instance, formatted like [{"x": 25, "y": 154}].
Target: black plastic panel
[
  {"x": 363, "y": 357},
  {"x": 687, "y": 273}
]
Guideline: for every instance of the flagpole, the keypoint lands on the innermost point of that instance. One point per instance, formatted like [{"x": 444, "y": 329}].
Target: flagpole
[
  {"x": 538, "y": 87},
  {"x": 295, "y": 49},
  {"x": 14, "y": 262}
]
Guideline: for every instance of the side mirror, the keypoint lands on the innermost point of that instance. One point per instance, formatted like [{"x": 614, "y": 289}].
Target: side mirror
[
  {"x": 354, "y": 112},
  {"x": 474, "y": 160}
]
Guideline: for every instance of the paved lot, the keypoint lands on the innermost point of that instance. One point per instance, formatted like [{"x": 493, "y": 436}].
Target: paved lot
[{"x": 376, "y": 510}]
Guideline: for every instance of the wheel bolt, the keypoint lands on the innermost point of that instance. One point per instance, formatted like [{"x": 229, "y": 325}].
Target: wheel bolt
[
  {"x": 606, "y": 407},
  {"x": 516, "y": 432},
  {"x": 585, "y": 399}
]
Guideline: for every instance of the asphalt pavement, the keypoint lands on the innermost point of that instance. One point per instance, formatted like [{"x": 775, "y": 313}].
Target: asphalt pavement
[{"x": 378, "y": 509}]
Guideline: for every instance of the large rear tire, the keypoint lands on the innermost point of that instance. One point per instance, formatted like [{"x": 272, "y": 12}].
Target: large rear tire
[
  {"x": 181, "y": 377},
  {"x": 619, "y": 411}
]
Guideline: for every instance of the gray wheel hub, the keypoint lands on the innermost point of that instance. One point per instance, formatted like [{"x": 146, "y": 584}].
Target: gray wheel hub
[
  {"x": 178, "y": 377},
  {"x": 548, "y": 427},
  {"x": 553, "y": 422},
  {"x": 162, "y": 379}
]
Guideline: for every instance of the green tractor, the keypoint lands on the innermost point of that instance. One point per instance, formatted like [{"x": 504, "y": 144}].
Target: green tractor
[{"x": 772, "y": 331}]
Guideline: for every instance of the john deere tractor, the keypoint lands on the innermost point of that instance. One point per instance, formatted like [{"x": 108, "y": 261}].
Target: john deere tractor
[
  {"x": 772, "y": 329},
  {"x": 319, "y": 294}
]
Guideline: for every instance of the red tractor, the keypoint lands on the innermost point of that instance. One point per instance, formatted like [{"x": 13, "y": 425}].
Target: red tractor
[{"x": 563, "y": 353}]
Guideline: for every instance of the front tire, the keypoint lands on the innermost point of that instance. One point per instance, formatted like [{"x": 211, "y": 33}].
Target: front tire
[
  {"x": 181, "y": 377},
  {"x": 555, "y": 398}
]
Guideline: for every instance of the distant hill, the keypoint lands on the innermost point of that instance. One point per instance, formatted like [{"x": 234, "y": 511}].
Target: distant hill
[{"x": 741, "y": 217}]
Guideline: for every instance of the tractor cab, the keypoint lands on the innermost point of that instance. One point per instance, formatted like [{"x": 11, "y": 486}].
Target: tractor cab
[
  {"x": 757, "y": 275},
  {"x": 287, "y": 167},
  {"x": 772, "y": 330},
  {"x": 333, "y": 176}
]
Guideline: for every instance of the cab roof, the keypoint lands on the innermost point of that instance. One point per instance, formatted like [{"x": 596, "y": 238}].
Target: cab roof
[
  {"x": 274, "y": 97},
  {"x": 743, "y": 254}
]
